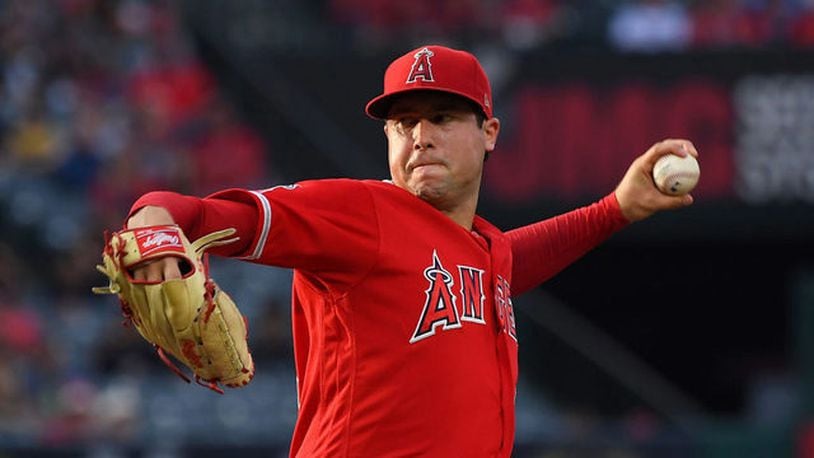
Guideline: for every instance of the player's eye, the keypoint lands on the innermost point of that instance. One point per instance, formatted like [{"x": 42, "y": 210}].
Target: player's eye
[
  {"x": 407, "y": 123},
  {"x": 441, "y": 118}
]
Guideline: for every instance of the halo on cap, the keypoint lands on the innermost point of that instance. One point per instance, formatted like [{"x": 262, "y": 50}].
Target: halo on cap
[{"x": 434, "y": 68}]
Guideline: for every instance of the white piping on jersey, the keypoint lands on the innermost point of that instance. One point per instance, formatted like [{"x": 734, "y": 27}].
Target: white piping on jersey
[{"x": 264, "y": 233}]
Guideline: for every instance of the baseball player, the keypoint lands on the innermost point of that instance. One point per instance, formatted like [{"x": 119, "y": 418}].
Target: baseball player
[{"x": 404, "y": 331}]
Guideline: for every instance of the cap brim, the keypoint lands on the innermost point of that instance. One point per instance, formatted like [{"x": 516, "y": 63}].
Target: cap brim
[{"x": 379, "y": 107}]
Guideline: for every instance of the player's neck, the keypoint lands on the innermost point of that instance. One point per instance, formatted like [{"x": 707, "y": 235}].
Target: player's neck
[
  {"x": 463, "y": 213},
  {"x": 464, "y": 221}
]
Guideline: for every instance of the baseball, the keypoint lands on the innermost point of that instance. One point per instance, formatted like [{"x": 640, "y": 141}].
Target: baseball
[{"x": 676, "y": 175}]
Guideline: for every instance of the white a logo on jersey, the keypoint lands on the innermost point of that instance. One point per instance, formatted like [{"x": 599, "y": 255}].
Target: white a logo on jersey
[
  {"x": 441, "y": 304},
  {"x": 439, "y": 307}
]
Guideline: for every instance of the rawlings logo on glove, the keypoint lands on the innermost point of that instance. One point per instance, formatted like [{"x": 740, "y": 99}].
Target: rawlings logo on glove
[
  {"x": 190, "y": 318},
  {"x": 163, "y": 239}
]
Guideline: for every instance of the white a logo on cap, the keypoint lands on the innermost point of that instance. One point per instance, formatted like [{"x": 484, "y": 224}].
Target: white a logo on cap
[{"x": 422, "y": 68}]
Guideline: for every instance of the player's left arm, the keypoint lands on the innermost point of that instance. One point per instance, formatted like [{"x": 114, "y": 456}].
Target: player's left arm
[{"x": 543, "y": 249}]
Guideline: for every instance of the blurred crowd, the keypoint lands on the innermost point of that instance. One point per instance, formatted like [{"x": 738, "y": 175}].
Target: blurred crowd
[
  {"x": 102, "y": 100},
  {"x": 627, "y": 25}
]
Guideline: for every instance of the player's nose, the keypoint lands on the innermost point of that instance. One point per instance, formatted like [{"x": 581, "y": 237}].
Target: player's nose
[{"x": 423, "y": 133}]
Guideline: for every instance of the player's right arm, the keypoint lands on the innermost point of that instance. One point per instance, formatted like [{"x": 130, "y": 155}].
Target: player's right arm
[
  {"x": 327, "y": 228},
  {"x": 196, "y": 217}
]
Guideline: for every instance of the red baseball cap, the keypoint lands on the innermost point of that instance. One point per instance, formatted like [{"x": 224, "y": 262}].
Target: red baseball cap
[{"x": 434, "y": 68}]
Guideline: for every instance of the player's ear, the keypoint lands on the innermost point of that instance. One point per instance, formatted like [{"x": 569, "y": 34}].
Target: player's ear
[
  {"x": 387, "y": 128},
  {"x": 491, "y": 129}
]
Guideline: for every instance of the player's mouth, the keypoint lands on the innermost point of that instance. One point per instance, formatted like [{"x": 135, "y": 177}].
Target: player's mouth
[{"x": 418, "y": 165}]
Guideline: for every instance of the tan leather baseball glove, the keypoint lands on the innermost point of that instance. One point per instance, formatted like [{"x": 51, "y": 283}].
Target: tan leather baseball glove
[{"x": 190, "y": 318}]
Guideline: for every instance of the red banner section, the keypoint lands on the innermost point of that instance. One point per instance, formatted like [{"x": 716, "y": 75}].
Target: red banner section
[{"x": 572, "y": 141}]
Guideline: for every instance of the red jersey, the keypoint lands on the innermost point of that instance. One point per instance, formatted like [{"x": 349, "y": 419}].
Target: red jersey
[{"x": 404, "y": 331}]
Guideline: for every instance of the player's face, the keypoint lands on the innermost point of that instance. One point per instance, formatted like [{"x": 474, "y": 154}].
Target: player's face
[{"x": 436, "y": 147}]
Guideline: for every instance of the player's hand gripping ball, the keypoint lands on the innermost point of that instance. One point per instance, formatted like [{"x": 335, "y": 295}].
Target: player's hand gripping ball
[
  {"x": 676, "y": 175},
  {"x": 190, "y": 318}
]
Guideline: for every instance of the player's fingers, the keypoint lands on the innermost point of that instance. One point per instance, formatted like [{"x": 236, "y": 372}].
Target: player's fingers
[
  {"x": 677, "y": 146},
  {"x": 139, "y": 274},
  {"x": 682, "y": 201},
  {"x": 149, "y": 271},
  {"x": 691, "y": 148},
  {"x": 154, "y": 272},
  {"x": 171, "y": 268},
  {"x": 666, "y": 202},
  {"x": 158, "y": 270}
]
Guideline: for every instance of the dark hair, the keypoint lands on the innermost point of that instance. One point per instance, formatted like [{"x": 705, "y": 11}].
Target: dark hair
[{"x": 480, "y": 116}]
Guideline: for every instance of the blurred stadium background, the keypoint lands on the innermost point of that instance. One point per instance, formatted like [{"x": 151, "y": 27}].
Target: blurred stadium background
[{"x": 688, "y": 335}]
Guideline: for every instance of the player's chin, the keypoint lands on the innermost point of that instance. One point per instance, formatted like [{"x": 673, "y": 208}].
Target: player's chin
[{"x": 434, "y": 193}]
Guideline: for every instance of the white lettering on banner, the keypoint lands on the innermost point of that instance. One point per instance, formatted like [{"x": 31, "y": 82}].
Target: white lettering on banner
[{"x": 774, "y": 138}]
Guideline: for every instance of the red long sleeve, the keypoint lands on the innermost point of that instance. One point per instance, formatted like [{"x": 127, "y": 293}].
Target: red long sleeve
[
  {"x": 543, "y": 249},
  {"x": 184, "y": 209},
  {"x": 199, "y": 216}
]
